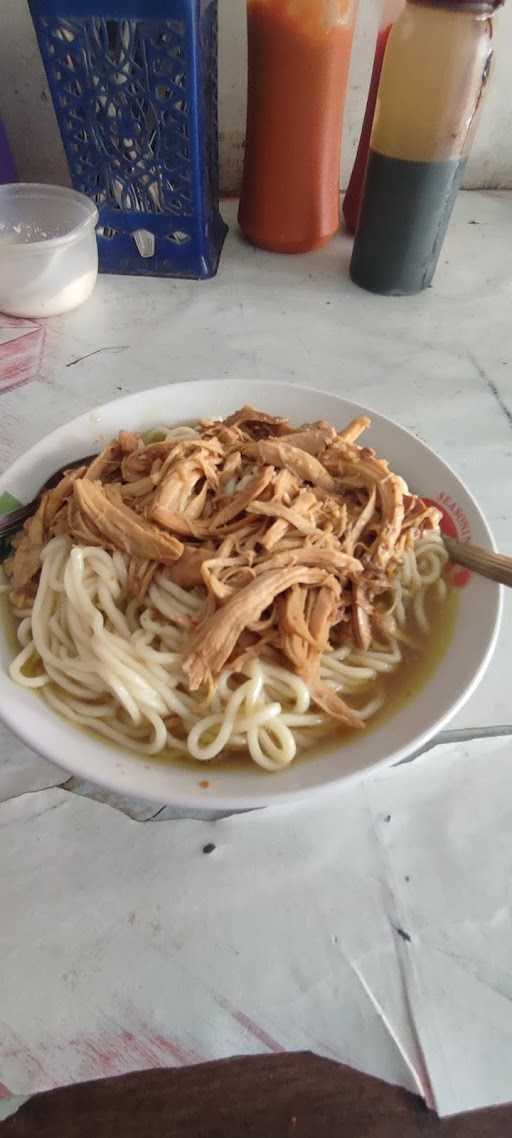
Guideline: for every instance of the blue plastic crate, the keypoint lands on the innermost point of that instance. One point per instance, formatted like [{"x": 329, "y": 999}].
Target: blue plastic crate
[{"x": 134, "y": 85}]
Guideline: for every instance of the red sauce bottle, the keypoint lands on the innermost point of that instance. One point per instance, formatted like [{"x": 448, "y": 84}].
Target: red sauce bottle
[
  {"x": 352, "y": 200},
  {"x": 299, "y": 56}
]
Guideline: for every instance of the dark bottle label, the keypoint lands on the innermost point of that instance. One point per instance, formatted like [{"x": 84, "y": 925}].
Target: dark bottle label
[{"x": 404, "y": 217}]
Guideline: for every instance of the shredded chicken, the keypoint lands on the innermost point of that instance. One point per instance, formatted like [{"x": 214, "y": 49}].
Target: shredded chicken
[
  {"x": 291, "y": 535},
  {"x": 122, "y": 527},
  {"x": 216, "y": 638},
  {"x": 302, "y": 464}
]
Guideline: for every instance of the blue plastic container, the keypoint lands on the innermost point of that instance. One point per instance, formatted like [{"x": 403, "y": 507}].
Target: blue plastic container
[{"x": 134, "y": 85}]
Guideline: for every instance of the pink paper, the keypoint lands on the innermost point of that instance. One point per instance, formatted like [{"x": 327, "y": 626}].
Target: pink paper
[{"x": 21, "y": 350}]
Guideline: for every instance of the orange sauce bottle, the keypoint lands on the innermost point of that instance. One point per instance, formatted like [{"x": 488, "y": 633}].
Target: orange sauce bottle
[{"x": 299, "y": 56}]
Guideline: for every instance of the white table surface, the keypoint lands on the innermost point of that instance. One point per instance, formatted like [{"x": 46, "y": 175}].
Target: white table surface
[{"x": 440, "y": 363}]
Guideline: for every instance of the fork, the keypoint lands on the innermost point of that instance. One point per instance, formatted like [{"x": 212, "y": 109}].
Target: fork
[
  {"x": 495, "y": 566},
  {"x": 12, "y": 522}
]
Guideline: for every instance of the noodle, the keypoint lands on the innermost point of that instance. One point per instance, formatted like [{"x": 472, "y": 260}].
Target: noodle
[
  {"x": 127, "y": 684},
  {"x": 108, "y": 637}
]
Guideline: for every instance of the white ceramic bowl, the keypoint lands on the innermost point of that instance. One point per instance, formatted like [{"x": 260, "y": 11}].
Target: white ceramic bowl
[
  {"x": 48, "y": 250},
  {"x": 408, "y": 729}
]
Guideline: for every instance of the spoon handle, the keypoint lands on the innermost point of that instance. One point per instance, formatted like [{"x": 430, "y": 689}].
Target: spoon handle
[{"x": 482, "y": 561}]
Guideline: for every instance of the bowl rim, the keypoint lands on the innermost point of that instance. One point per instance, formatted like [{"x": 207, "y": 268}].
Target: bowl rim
[
  {"x": 52, "y": 191},
  {"x": 219, "y": 801}
]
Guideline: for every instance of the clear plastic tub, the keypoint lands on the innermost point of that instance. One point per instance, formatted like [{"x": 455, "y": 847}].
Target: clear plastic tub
[{"x": 48, "y": 251}]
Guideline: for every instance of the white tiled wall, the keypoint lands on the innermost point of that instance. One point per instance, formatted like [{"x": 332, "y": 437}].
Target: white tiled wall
[{"x": 27, "y": 112}]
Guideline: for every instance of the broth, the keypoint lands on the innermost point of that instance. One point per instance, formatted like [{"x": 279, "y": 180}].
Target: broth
[{"x": 400, "y": 686}]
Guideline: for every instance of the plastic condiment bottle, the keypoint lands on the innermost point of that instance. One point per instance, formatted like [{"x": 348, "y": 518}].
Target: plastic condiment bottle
[
  {"x": 352, "y": 201},
  {"x": 299, "y": 55},
  {"x": 435, "y": 71}
]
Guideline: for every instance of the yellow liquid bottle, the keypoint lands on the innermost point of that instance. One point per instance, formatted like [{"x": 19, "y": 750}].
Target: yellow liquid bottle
[{"x": 436, "y": 68}]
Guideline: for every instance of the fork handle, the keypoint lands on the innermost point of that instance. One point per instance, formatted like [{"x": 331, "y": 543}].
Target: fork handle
[
  {"x": 12, "y": 522},
  {"x": 493, "y": 565}
]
